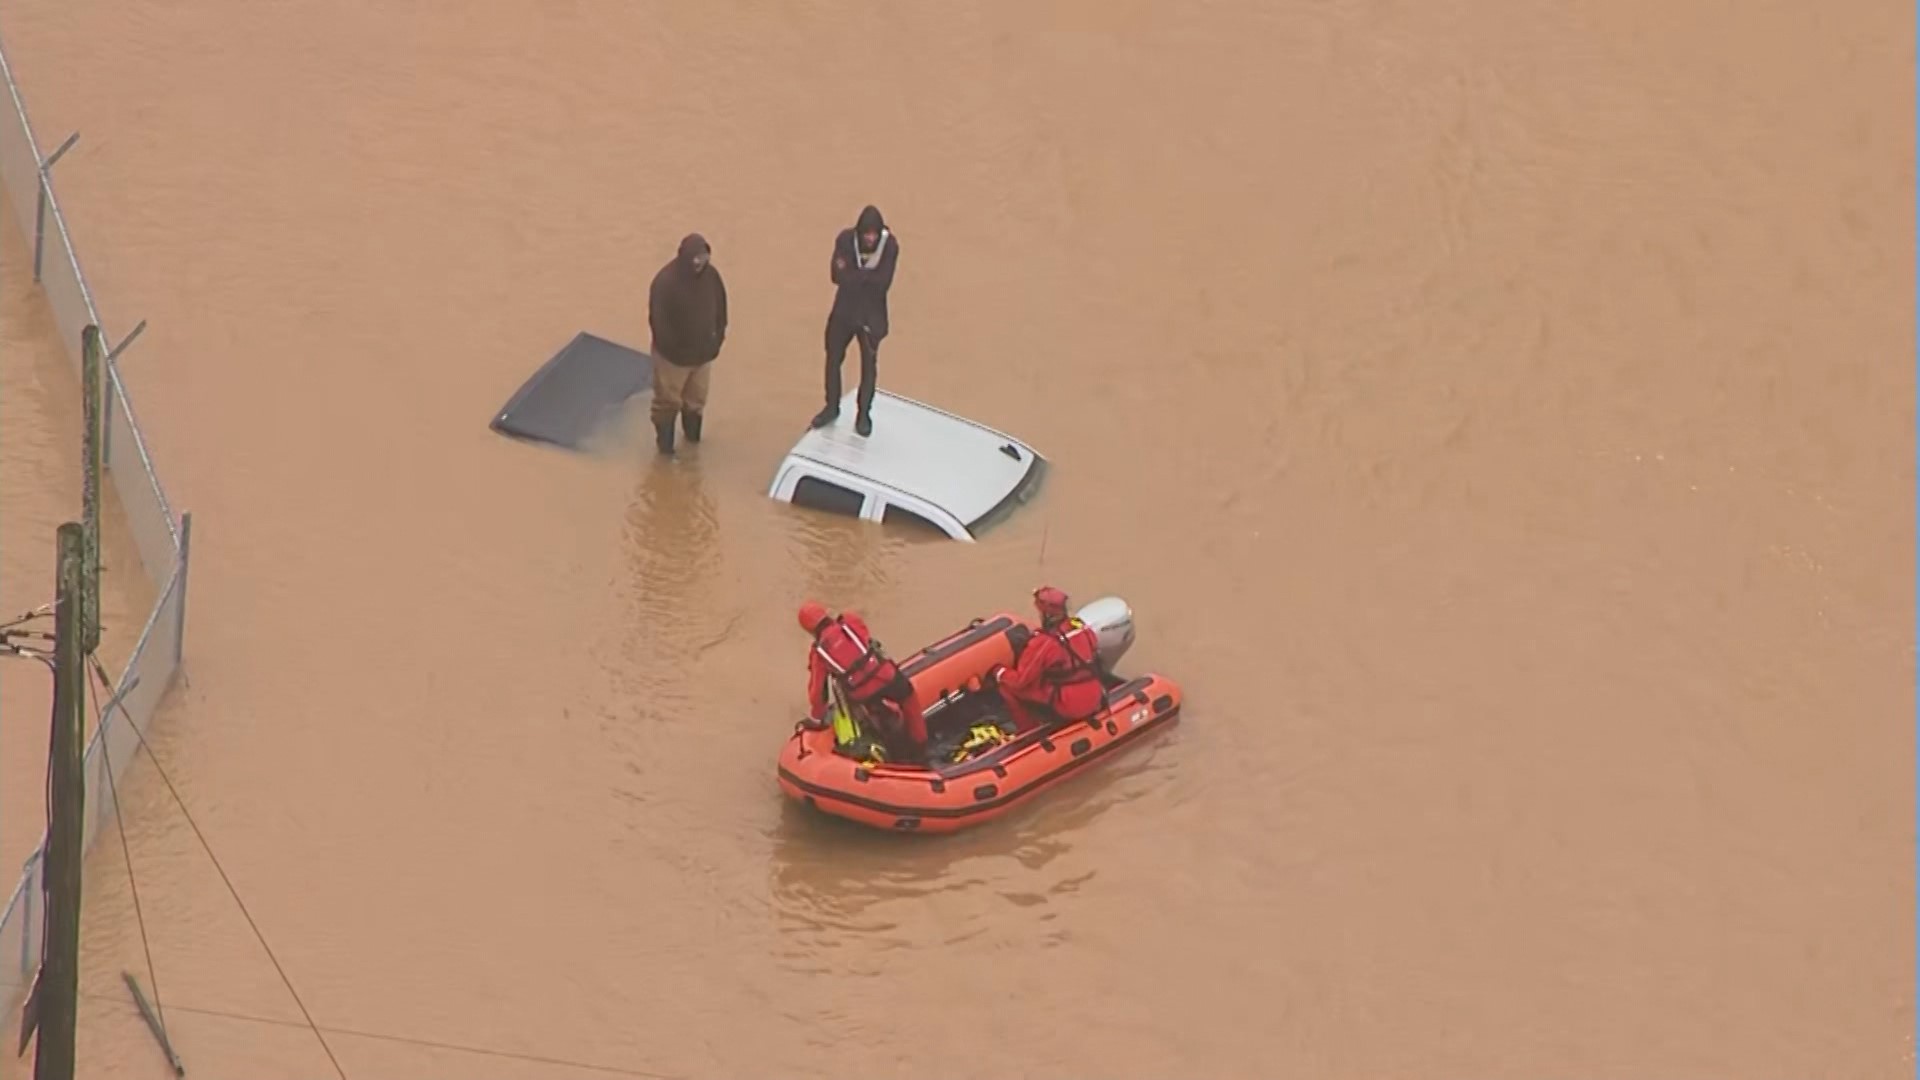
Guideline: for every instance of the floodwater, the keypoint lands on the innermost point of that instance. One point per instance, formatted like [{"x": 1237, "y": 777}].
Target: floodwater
[
  {"x": 40, "y": 443},
  {"x": 1499, "y": 416}
]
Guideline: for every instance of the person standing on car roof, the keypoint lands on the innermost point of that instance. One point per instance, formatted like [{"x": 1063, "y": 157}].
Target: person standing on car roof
[
  {"x": 687, "y": 313},
  {"x": 864, "y": 258}
]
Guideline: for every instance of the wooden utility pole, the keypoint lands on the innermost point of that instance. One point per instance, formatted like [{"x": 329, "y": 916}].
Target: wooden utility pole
[
  {"x": 59, "y": 981},
  {"x": 50, "y": 1014},
  {"x": 93, "y": 353}
]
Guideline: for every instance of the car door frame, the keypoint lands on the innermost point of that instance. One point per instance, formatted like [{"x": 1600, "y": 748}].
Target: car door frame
[
  {"x": 796, "y": 470},
  {"x": 875, "y": 498},
  {"x": 925, "y": 511}
]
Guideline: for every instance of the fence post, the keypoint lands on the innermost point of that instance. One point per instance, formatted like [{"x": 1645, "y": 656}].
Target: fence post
[
  {"x": 40, "y": 208},
  {"x": 27, "y": 922},
  {"x": 29, "y": 926},
  {"x": 39, "y": 224},
  {"x": 180, "y": 602}
]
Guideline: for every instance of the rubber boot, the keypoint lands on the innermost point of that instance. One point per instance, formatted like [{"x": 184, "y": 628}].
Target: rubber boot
[
  {"x": 863, "y": 425},
  {"x": 825, "y": 416},
  {"x": 663, "y": 435},
  {"x": 691, "y": 422}
]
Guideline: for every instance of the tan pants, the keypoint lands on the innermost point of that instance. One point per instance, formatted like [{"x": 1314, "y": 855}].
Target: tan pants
[{"x": 678, "y": 389}]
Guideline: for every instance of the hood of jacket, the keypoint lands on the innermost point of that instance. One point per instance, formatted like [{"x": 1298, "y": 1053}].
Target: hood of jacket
[
  {"x": 870, "y": 221},
  {"x": 692, "y": 246}
]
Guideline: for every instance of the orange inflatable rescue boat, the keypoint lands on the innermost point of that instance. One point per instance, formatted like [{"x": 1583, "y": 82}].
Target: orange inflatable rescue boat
[{"x": 978, "y": 769}]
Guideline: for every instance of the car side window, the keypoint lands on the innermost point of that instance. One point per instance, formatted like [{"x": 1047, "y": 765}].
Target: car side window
[
  {"x": 820, "y": 494},
  {"x": 900, "y": 515}
]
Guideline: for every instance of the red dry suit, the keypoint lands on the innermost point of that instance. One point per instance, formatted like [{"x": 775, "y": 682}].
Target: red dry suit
[
  {"x": 843, "y": 647},
  {"x": 1055, "y": 672}
]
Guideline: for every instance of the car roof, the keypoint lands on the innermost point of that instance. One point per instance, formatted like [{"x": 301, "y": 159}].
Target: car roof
[{"x": 952, "y": 462}]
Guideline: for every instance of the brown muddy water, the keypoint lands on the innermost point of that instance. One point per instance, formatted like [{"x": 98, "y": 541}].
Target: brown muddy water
[
  {"x": 1499, "y": 416},
  {"x": 40, "y": 433}
]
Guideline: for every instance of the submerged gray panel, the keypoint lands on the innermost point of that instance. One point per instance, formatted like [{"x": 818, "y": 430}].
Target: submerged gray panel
[{"x": 582, "y": 387}]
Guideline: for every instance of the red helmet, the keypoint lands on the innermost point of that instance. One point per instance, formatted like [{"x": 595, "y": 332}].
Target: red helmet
[
  {"x": 1050, "y": 602},
  {"x": 813, "y": 615}
]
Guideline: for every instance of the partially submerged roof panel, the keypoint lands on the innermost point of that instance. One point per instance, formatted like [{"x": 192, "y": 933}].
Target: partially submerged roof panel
[
  {"x": 967, "y": 469},
  {"x": 573, "y": 394}
]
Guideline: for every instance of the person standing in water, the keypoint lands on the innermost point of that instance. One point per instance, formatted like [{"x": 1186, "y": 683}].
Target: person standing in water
[
  {"x": 863, "y": 261},
  {"x": 687, "y": 314}
]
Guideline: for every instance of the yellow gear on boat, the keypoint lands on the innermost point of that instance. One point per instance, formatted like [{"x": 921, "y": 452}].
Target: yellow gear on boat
[
  {"x": 979, "y": 737},
  {"x": 845, "y": 730}
]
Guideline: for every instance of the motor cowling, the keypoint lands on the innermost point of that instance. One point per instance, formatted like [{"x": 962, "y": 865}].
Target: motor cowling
[{"x": 1112, "y": 622}]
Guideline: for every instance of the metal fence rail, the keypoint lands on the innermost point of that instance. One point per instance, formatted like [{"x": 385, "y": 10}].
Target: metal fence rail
[{"x": 162, "y": 540}]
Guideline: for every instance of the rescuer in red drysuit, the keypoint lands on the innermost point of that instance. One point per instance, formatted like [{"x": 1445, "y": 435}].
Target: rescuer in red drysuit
[
  {"x": 843, "y": 648},
  {"x": 1055, "y": 677}
]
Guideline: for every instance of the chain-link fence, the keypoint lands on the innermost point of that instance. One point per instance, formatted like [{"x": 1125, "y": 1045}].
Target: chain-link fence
[{"x": 163, "y": 541}]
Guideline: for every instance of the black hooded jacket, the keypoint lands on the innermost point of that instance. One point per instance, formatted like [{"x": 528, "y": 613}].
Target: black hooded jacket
[
  {"x": 862, "y": 298},
  {"x": 687, "y": 312}
]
